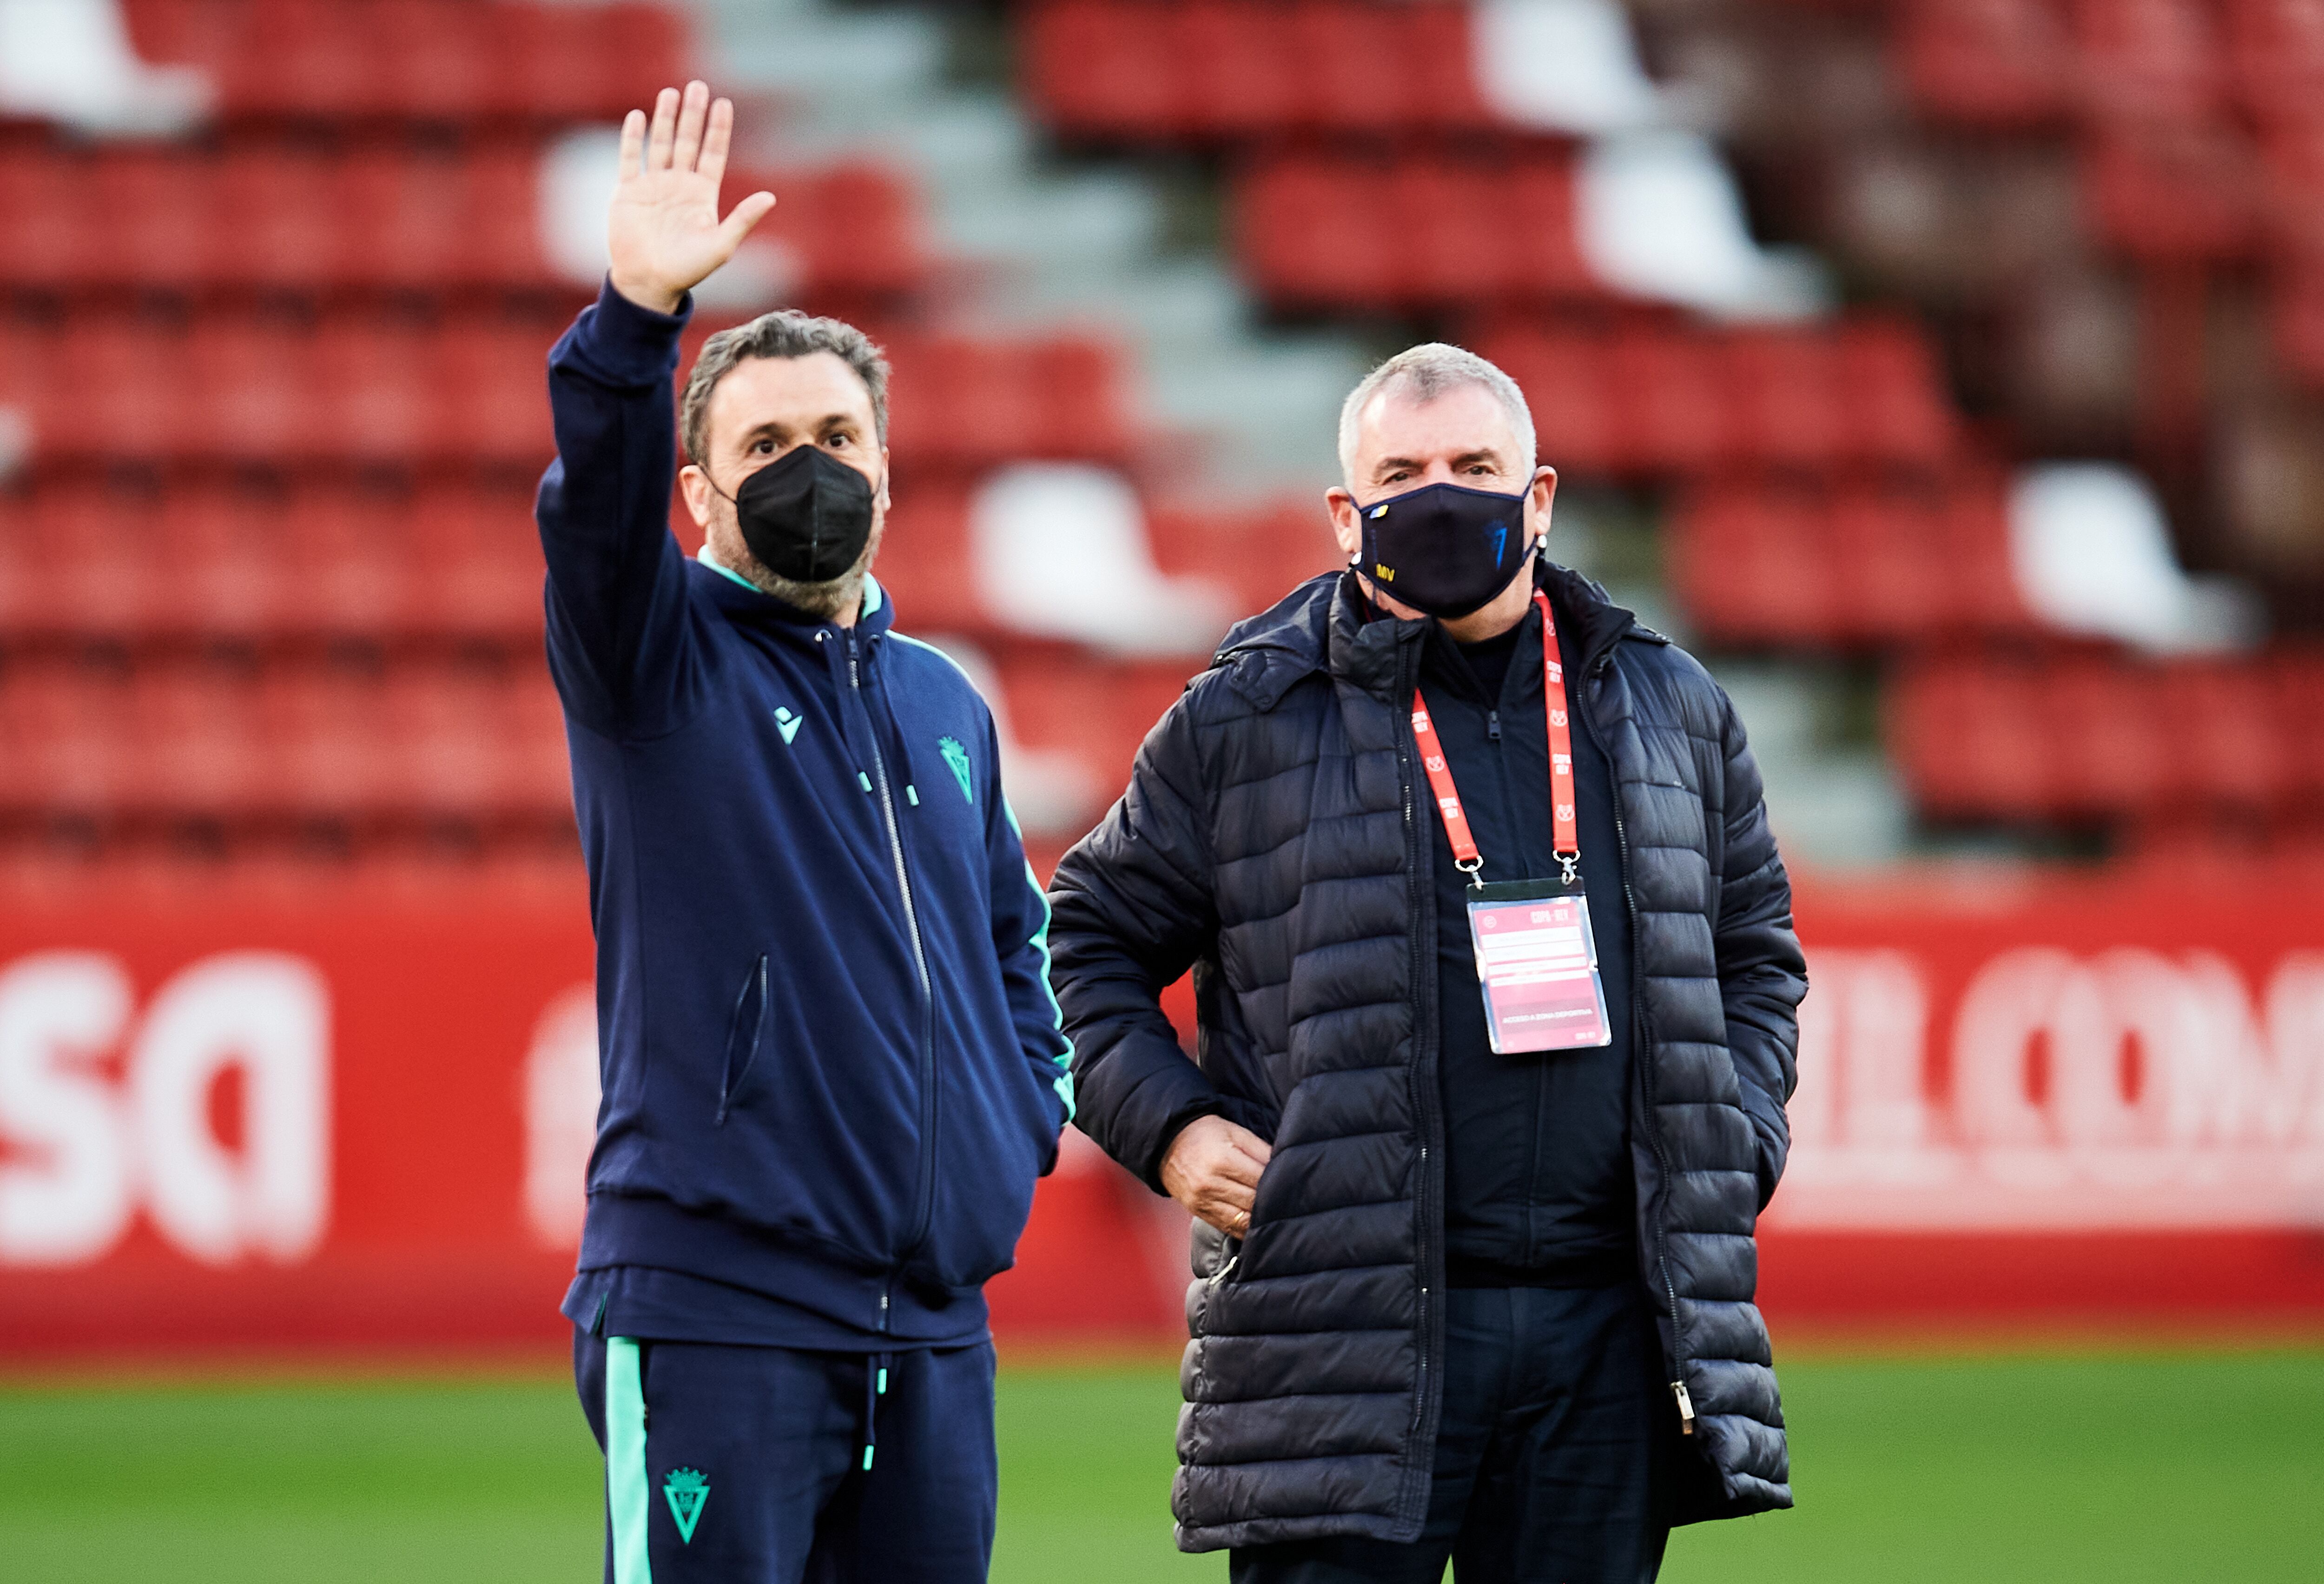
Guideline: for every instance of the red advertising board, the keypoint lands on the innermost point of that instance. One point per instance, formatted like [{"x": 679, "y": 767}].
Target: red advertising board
[{"x": 255, "y": 1123}]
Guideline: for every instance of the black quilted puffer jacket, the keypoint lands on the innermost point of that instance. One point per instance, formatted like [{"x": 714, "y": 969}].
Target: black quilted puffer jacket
[{"x": 1272, "y": 840}]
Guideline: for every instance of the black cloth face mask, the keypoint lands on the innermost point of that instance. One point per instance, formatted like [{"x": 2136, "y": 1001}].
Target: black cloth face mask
[
  {"x": 1444, "y": 549},
  {"x": 805, "y": 515}
]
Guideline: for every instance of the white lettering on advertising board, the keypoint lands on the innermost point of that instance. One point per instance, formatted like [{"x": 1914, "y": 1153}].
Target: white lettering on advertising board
[
  {"x": 2126, "y": 1089},
  {"x": 82, "y": 1150}
]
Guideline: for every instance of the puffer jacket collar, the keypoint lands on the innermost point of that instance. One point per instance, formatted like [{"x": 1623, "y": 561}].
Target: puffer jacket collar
[{"x": 1326, "y": 625}]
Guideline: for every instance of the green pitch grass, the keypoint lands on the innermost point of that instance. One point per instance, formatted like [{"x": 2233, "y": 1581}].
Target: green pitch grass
[{"x": 2118, "y": 1468}]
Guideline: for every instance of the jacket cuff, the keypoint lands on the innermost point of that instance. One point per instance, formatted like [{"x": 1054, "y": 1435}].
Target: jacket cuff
[
  {"x": 629, "y": 344},
  {"x": 1171, "y": 1128}
]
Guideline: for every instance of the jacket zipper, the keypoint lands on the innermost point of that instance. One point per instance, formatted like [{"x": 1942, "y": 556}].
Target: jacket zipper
[
  {"x": 1423, "y": 1094},
  {"x": 925, "y": 1209},
  {"x": 1641, "y": 1033}
]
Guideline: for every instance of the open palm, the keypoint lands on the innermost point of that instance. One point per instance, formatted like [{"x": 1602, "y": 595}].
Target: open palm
[{"x": 663, "y": 231}]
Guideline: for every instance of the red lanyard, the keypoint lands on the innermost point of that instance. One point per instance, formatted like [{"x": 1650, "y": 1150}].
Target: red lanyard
[{"x": 1568, "y": 842}]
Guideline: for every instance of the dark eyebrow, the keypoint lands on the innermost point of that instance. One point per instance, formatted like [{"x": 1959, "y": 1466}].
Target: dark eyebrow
[
  {"x": 821, "y": 425},
  {"x": 1485, "y": 454}
]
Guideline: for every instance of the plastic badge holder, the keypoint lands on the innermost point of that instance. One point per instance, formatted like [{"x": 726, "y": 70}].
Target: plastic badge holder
[{"x": 1537, "y": 965}]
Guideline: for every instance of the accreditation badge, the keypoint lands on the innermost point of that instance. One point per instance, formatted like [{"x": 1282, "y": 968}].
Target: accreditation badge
[{"x": 1537, "y": 965}]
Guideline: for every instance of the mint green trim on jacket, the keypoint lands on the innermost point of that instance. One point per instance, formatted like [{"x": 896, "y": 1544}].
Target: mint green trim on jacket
[{"x": 872, "y": 596}]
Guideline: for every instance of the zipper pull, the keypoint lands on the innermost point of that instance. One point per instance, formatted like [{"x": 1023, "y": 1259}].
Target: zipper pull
[
  {"x": 1685, "y": 1408},
  {"x": 1493, "y": 725}
]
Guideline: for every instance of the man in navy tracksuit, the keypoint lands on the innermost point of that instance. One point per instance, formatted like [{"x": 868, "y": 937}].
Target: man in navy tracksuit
[{"x": 832, "y": 1068}]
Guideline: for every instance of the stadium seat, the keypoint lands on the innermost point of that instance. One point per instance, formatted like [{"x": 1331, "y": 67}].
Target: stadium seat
[
  {"x": 1415, "y": 232},
  {"x": 421, "y": 60},
  {"x": 2175, "y": 192},
  {"x": 1140, "y": 71},
  {"x": 2149, "y": 61},
  {"x": 328, "y": 750},
  {"x": 2004, "y": 64},
  {"x": 2073, "y": 736},
  {"x": 67, "y": 747},
  {"x": 2276, "y": 58},
  {"x": 1856, "y": 565},
  {"x": 1972, "y": 742}
]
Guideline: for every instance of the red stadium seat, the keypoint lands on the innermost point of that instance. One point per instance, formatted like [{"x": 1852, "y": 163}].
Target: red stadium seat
[
  {"x": 2275, "y": 53},
  {"x": 1563, "y": 373},
  {"x": 1972, "y": 742},
  {"x": 1097, "y": 69},
  {"x": 349, "y": 551},
  {"x": 194, "y": 737},
  {"x": 1240, "y": 76},
  {"x": 329, "y": 750},
  {"x": 1135, "y": 70},
  {"x": 2229, "y": 751},
  {"x": 1261, "y": 554},
  {"x": 2176, "y": 192},
  {"x": 2294, "y": 686},
  {"x": 66, "y": 738},
  {"x": 45, "y": 243},
  {"x": 375, "y": 394},
  {"x": 1665, "y": 385},
  {"x": 1895, "y": 405},
  {"x": 445, "y": 61},
  {"x": 252, "y": 395},
  {"x": 277, "y": 217},
  {"x": 1754, "y": 566},
  {"x": 476, "y": 565},
  {"x": 225, "y": 555},
  {"x": 1420, "y": 231},
  {"x": 1304, "y": 229},
  {"x": 489, "y": 387},
  {"x": 2296, "y": 319},
  {"x": 925, "y": 561},
  {"x": 2004, "y": 64},
  {"x": 99, "y": 561},
  {"x": 1785, "y": 398},
  {"x": 2109, "y": 760},
  {"x": 2149, "y": 60}
]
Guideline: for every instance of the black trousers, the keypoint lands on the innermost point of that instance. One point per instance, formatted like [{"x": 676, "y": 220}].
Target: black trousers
[{"x": 1553, "y": 1455}]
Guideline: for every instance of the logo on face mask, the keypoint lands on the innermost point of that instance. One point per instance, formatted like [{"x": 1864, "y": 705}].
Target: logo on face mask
[{"x": 1446, "y": 550}]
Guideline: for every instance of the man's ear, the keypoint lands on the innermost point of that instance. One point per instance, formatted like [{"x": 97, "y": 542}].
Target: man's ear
[
  {"x": 885, "y": 473},
  {"x": 694, "y": 486},
  {"x": 1538, "y": 498},
  {"x": 1346, "y": 526}
]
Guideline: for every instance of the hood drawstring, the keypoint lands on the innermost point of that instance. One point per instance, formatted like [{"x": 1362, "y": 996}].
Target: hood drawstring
[
  {"x": 835, "y": 646},
  {"x": 875, "y": 1386},
  {"x": 903, "y": 738}
]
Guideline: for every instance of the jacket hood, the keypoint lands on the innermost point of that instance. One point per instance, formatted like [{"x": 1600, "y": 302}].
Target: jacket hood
[{"x": 1325, "y": 625}]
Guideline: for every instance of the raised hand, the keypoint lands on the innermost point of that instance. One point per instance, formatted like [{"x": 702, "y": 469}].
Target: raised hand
[{"x": 663, "y": 231}]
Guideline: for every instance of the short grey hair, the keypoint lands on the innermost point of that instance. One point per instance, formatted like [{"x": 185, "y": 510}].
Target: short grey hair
[
  {"x": 1429, "y": 370},
  {"x": 783, "y": 333}
]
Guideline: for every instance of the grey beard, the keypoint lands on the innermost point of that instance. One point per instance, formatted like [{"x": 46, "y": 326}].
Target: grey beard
[{"x": 831, "y": 597}]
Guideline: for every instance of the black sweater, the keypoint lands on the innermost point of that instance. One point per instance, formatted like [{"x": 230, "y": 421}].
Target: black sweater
[{"x": 1537, "y": 1169}]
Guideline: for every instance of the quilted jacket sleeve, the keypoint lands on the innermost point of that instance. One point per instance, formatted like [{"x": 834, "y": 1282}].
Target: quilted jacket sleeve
[
  {"x": 1761, "y": 973},
  {"x": 1130, "y": 911}
]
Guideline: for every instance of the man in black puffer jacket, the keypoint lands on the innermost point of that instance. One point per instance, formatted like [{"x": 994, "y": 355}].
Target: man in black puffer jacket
[{"x": 1461, "y": 1292}]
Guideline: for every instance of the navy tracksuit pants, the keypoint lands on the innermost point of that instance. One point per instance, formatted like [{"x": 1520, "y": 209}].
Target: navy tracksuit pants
[
  {"x": 1553, "y": 1453},
  {"x": 748, "y": 1464}
]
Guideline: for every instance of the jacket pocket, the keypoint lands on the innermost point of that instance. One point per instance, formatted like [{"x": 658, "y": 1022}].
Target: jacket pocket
[{"x": 746, "y": 1027}]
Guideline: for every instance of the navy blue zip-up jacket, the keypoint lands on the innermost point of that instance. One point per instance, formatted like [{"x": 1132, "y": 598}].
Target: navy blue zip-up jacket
[{"x": 832, "y": 1068}]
